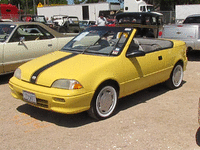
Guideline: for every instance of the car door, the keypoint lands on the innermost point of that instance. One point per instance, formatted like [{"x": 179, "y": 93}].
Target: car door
[
  {"x": 145, "y": 71},
  {"x": 28, "y": 42}
]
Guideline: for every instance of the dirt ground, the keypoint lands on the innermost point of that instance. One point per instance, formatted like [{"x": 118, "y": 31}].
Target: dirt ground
[{"x": 152, "y": 119}]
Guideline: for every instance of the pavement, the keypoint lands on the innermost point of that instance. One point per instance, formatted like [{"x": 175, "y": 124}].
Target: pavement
[{"x": 153, "y": 119}]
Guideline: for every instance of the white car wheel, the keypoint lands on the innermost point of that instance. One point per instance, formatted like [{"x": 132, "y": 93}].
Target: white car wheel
[
  {"x": 176, "y": 77},
  {"x": 104, "y": 103}
]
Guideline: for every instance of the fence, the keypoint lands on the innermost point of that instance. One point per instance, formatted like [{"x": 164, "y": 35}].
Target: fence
[
  {"x": 169, "y": 17},
  {"x": 14, "y": 17}
]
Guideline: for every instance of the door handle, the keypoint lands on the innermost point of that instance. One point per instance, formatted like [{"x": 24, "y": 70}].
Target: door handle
[
  {"x": 159, "y": 57},
  {"x": 49, "y": 45}
]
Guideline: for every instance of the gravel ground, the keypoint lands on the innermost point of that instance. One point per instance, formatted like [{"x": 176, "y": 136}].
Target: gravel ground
[{"x": 152, "y": 119}]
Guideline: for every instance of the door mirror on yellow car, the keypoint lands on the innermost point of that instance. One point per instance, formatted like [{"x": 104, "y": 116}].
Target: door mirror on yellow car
[{"x": 135, "y": 54}]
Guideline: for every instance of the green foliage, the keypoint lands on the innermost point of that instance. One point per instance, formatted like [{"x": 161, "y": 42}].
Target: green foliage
[
  {"x": 4, "y": 1},
  {"x": 92, "y": 1}
]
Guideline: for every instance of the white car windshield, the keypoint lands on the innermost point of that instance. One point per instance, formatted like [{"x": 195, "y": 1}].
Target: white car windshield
[
  {"x": 99, "y": 40},
  {"x": 5, "y": 31}
]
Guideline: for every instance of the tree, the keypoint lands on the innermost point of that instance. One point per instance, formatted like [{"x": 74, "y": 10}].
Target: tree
[{"x": 92, "y": 1}]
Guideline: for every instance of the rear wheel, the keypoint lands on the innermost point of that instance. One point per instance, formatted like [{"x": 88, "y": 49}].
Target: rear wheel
[
  {"x": 176, "y": 77},
  {"x": 104, "y": 102}
]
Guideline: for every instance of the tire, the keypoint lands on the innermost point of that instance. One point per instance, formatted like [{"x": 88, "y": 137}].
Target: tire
[
  {"x": 104, "y": 102},
  {"x": 189, "y": 49},
  {"x": 198, "y": 137},
  {"x": 176, "y": 77}
]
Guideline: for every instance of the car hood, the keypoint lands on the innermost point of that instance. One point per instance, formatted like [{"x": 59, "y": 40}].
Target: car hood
[{"x": 62, "y": 65}]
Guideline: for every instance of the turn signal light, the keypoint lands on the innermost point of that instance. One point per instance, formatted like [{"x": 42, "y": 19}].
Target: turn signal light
[{"x": 59, "y": 99}]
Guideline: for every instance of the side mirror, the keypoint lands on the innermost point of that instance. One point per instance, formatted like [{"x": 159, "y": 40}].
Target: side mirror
[
  {"x": 21, "y": 40},
  {"x": 133, "y": 50},
  {"x": 135, "y": 54}
]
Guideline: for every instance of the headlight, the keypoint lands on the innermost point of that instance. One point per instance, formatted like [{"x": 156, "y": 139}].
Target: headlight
[
  {"x": 67, "y": 84},
  {"x": 17, "y": 73}
]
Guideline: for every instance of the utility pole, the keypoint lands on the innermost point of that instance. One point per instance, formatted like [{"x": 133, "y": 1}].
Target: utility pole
[
  {"x": 26, "y": 7},
  {"x": 34, "y": 7}
]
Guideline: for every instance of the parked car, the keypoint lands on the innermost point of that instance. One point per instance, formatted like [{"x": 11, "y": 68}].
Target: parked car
[
  {"x": 148, "y": 24},
  {"x": 6, "y": 20},
  {"x": 23, "y": 41},
  {"x": 58, "y": 19},
  {"x": 66, "y": 24},
  {"x": 86, "y": 23},
  {"x": 189, "y": 33},
  {"x": 111, "y": 22},
  {"x": 96, "y": 68},
  {"x": 36, "y": 18},
  {"x": 192, "y": 19}
]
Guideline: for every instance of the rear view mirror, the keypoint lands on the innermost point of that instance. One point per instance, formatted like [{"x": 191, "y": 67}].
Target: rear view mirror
[
  {"x": 135, "y": 54},
  {"x": 22, "y": 39},
  {"x": 133, "y": 50}
]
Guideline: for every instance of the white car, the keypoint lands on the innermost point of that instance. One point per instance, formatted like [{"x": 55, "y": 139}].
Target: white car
[
  {"x": 23, "y": 41},
  {"x": 58, "y": 19}
]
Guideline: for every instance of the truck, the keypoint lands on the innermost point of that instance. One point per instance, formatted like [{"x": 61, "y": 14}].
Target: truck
[
  {"x": 66, "y": 24},
  {"x": 87, "y": 11},
  {"x": 137, "y": 6},
  {"x": 189, "y": 33},
  {"x": 148, "y": 24},
  {"x": 9, "y": 11},
  {"x": 183, "y": 11}
]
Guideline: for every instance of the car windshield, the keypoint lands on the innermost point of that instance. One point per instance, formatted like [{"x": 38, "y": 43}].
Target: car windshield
[
  {"x": 150, "y": 8},
  {"x": 58, "y": 17},
  {"x": 39, "y": 19},
  {"x": 5, "y": 31},
  {"x": 83, "y": 23},
  {"x": 99, "y": 41},
  {"x": 73, "y": 20}
]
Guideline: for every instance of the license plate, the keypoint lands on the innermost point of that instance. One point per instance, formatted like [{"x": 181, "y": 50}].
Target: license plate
[{"x": 29, "y": 97}]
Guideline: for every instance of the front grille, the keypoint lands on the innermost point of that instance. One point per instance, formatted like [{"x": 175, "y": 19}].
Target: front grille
[{"x": 42, "y": 103}]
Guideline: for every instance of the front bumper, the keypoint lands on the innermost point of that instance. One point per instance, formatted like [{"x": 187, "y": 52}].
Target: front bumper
[{"x": 52, "y": 99}]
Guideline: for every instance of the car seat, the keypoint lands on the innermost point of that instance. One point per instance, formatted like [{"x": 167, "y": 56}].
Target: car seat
[{"x": 103, "y": 43}]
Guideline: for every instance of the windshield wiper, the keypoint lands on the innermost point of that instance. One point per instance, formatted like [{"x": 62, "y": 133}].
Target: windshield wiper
[{"x": 85, "y": 50}]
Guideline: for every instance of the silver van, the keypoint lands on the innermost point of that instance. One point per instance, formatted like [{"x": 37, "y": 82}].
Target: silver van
[{"x": 189, "y": 33}]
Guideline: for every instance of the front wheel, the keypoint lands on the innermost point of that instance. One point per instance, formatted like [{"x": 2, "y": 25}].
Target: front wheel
[
  {"x": 104, "y": 102},
  {"x": 176, "y": 77}
]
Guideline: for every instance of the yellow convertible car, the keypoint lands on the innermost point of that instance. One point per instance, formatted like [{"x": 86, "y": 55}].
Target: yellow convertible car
[{"x": 96, "y": 68}]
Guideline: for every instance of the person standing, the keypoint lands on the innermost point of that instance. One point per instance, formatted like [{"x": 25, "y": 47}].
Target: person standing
[{"x": 101, "y": 20}]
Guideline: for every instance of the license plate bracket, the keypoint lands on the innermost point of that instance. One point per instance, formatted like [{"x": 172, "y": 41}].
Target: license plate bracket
[{"x": 29, "y": 97}]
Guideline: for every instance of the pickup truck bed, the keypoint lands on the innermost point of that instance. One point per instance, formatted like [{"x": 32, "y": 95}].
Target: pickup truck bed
[{"x": 189, "y": 33}]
